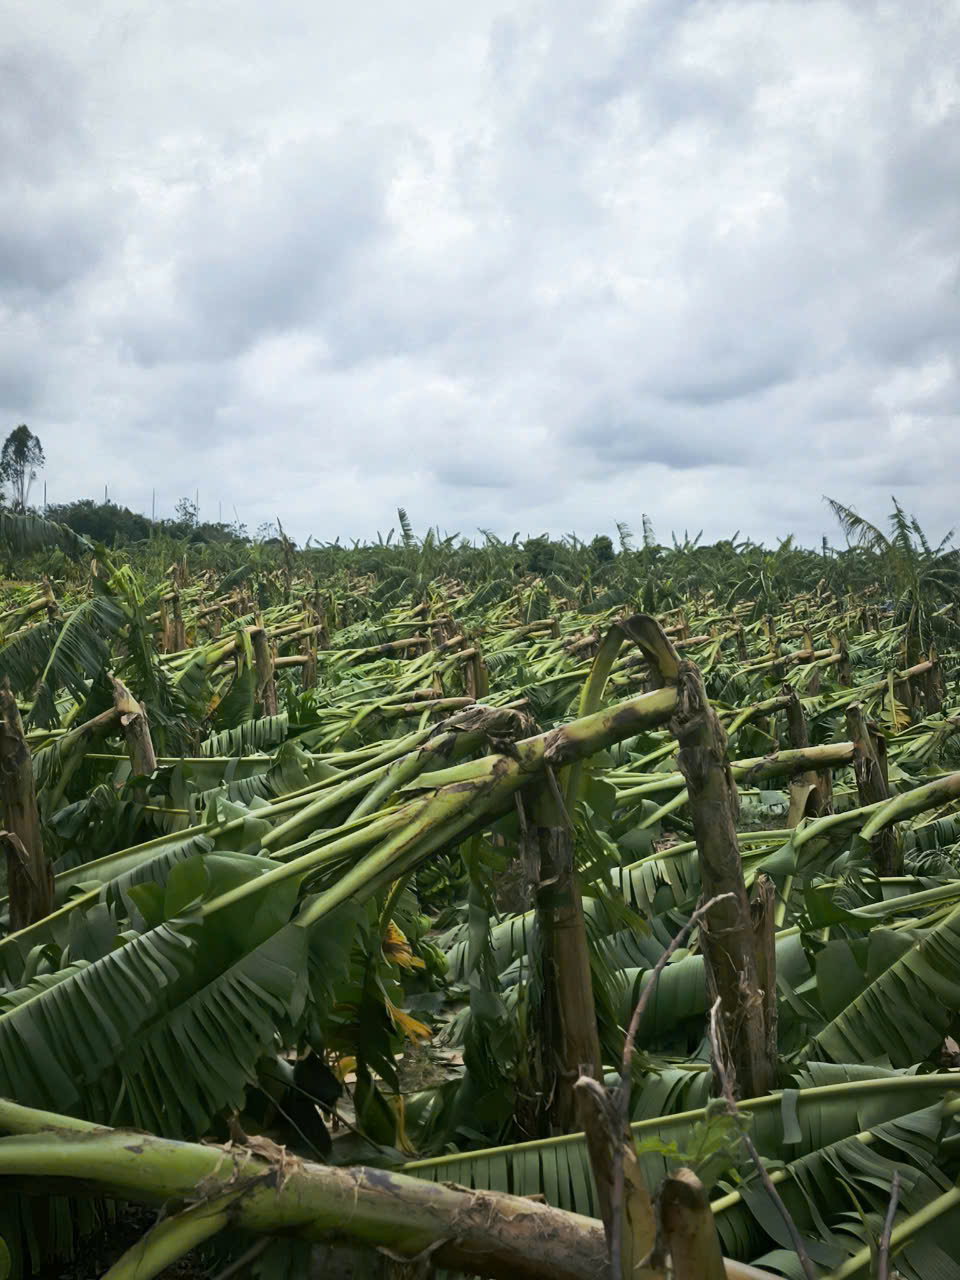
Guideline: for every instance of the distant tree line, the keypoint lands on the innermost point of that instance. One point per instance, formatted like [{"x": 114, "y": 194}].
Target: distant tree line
[
  {"x": 118, "y": 526},
  {"x": 21, "y": 460}
]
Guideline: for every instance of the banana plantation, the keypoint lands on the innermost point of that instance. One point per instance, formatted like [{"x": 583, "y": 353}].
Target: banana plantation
[{"x": 535, "y": 908}]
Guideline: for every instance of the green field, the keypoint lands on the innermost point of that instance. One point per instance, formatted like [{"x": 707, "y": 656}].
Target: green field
[{"x": 369, "y": 852}]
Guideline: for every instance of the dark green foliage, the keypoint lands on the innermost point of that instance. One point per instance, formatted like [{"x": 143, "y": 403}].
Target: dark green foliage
[
  {"x": 20, "y": 460},
  {"x": 118, "y": 526},
  {"x": 177, "y": 984},
  {"x": 602, "y": 548}
]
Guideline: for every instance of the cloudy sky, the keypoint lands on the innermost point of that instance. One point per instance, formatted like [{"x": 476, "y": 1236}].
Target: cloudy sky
[{"x": 509, "y": 264}]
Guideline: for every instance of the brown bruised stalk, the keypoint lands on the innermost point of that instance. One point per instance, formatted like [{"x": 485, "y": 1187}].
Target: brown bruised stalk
[
  {"x": 567, "y": 1043},
  {"x": 933, "y": 684},
  {"x": 179, "y": 631},
  {"x": 266, "y": 695},
  {"x": 689, "y": 1231},
  {"x": 870, "y": 770},
  {"x": 309, "y": 676},
  {"x": 30, "y": 884},
  {"x": 763, "y": 913},
  {"x": 604, "y": 1114},
  {"x": 567, "y": 1040},
  {"x": 813, "y": 793},
  {"x": 729, "y": 944},
  {"x": 136, "y": 729}
]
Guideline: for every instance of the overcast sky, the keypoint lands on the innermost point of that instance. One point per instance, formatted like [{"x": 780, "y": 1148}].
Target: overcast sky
[{"x": 512, "y": 265}]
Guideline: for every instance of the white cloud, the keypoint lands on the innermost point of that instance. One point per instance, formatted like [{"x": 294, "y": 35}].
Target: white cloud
[{"x": 535, "y": 266}]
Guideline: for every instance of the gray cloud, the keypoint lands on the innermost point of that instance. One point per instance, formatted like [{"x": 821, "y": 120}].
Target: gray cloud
[
  {"x": 47, "y": 245},
  {"x": 57, "y": 223},
  {"x": 526, "y": 265},
  {"x": 39, "y": 126}
]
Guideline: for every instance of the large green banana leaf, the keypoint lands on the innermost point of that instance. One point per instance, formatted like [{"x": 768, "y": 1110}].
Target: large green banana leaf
[
  {"x": 25, "y": 533},
  {"x": 821, "y": 1125},
  {"x": 907, "y": 1009},
  {"x": 164, "y": 1029}
]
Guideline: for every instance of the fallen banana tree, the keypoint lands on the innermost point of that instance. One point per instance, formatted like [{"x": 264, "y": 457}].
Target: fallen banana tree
[
  {"x": 220, "y": 944},
  {"x": 201, "y": 944},
  {"x": 91, "y": 1034},
  {"x": 263, "y": 1189},
  {"x": 296, "y": 826},
  {"x": 846, "y": 1137}
]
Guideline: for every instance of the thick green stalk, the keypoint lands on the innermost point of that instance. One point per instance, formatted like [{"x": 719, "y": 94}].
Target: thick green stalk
[
  {"x": 436, "y": 812},
  {"x": 485, "y": 1233},
  {"x": 488, "y": 792},
  {"x": 308, "y": 817},
  {"x": 758, "y": 768},
  {"x": 596, "y": 732},
  {"x": 832, "y": 823},
  {"x": 746, "y": 714},
  {"x": 451, "y": 810},
  {"x": 385, "y": 777},
  {"x": 396, "y": 776},
  {"x": 350, "y": 838},
  {"x": 940, "y": 791},
  {"x": 292, "y": 800},
  {"x": 481, "y": 1232},
  {"x": 592, "y": 694},
  {"x": 173, "y": 1237},
  {"x": 910, "y": 901},
  {"x": 381, "y": 827}
]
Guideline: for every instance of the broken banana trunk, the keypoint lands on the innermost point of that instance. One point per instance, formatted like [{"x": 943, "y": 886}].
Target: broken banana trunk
[{"x": 730, "y": 943}]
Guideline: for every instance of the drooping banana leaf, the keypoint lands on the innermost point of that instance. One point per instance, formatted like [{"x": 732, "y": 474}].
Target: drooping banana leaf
[
  {"x": 79, "y": 653},
  {"x": 96, "y": 1038},
  {"x": 811, "y": 1118},
  {"x": 907, "y": 1009},
  {"x": 25, "y": 533},
  {"x": 821, "y": 1187},
  {"x": 251, "y": 735}
]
